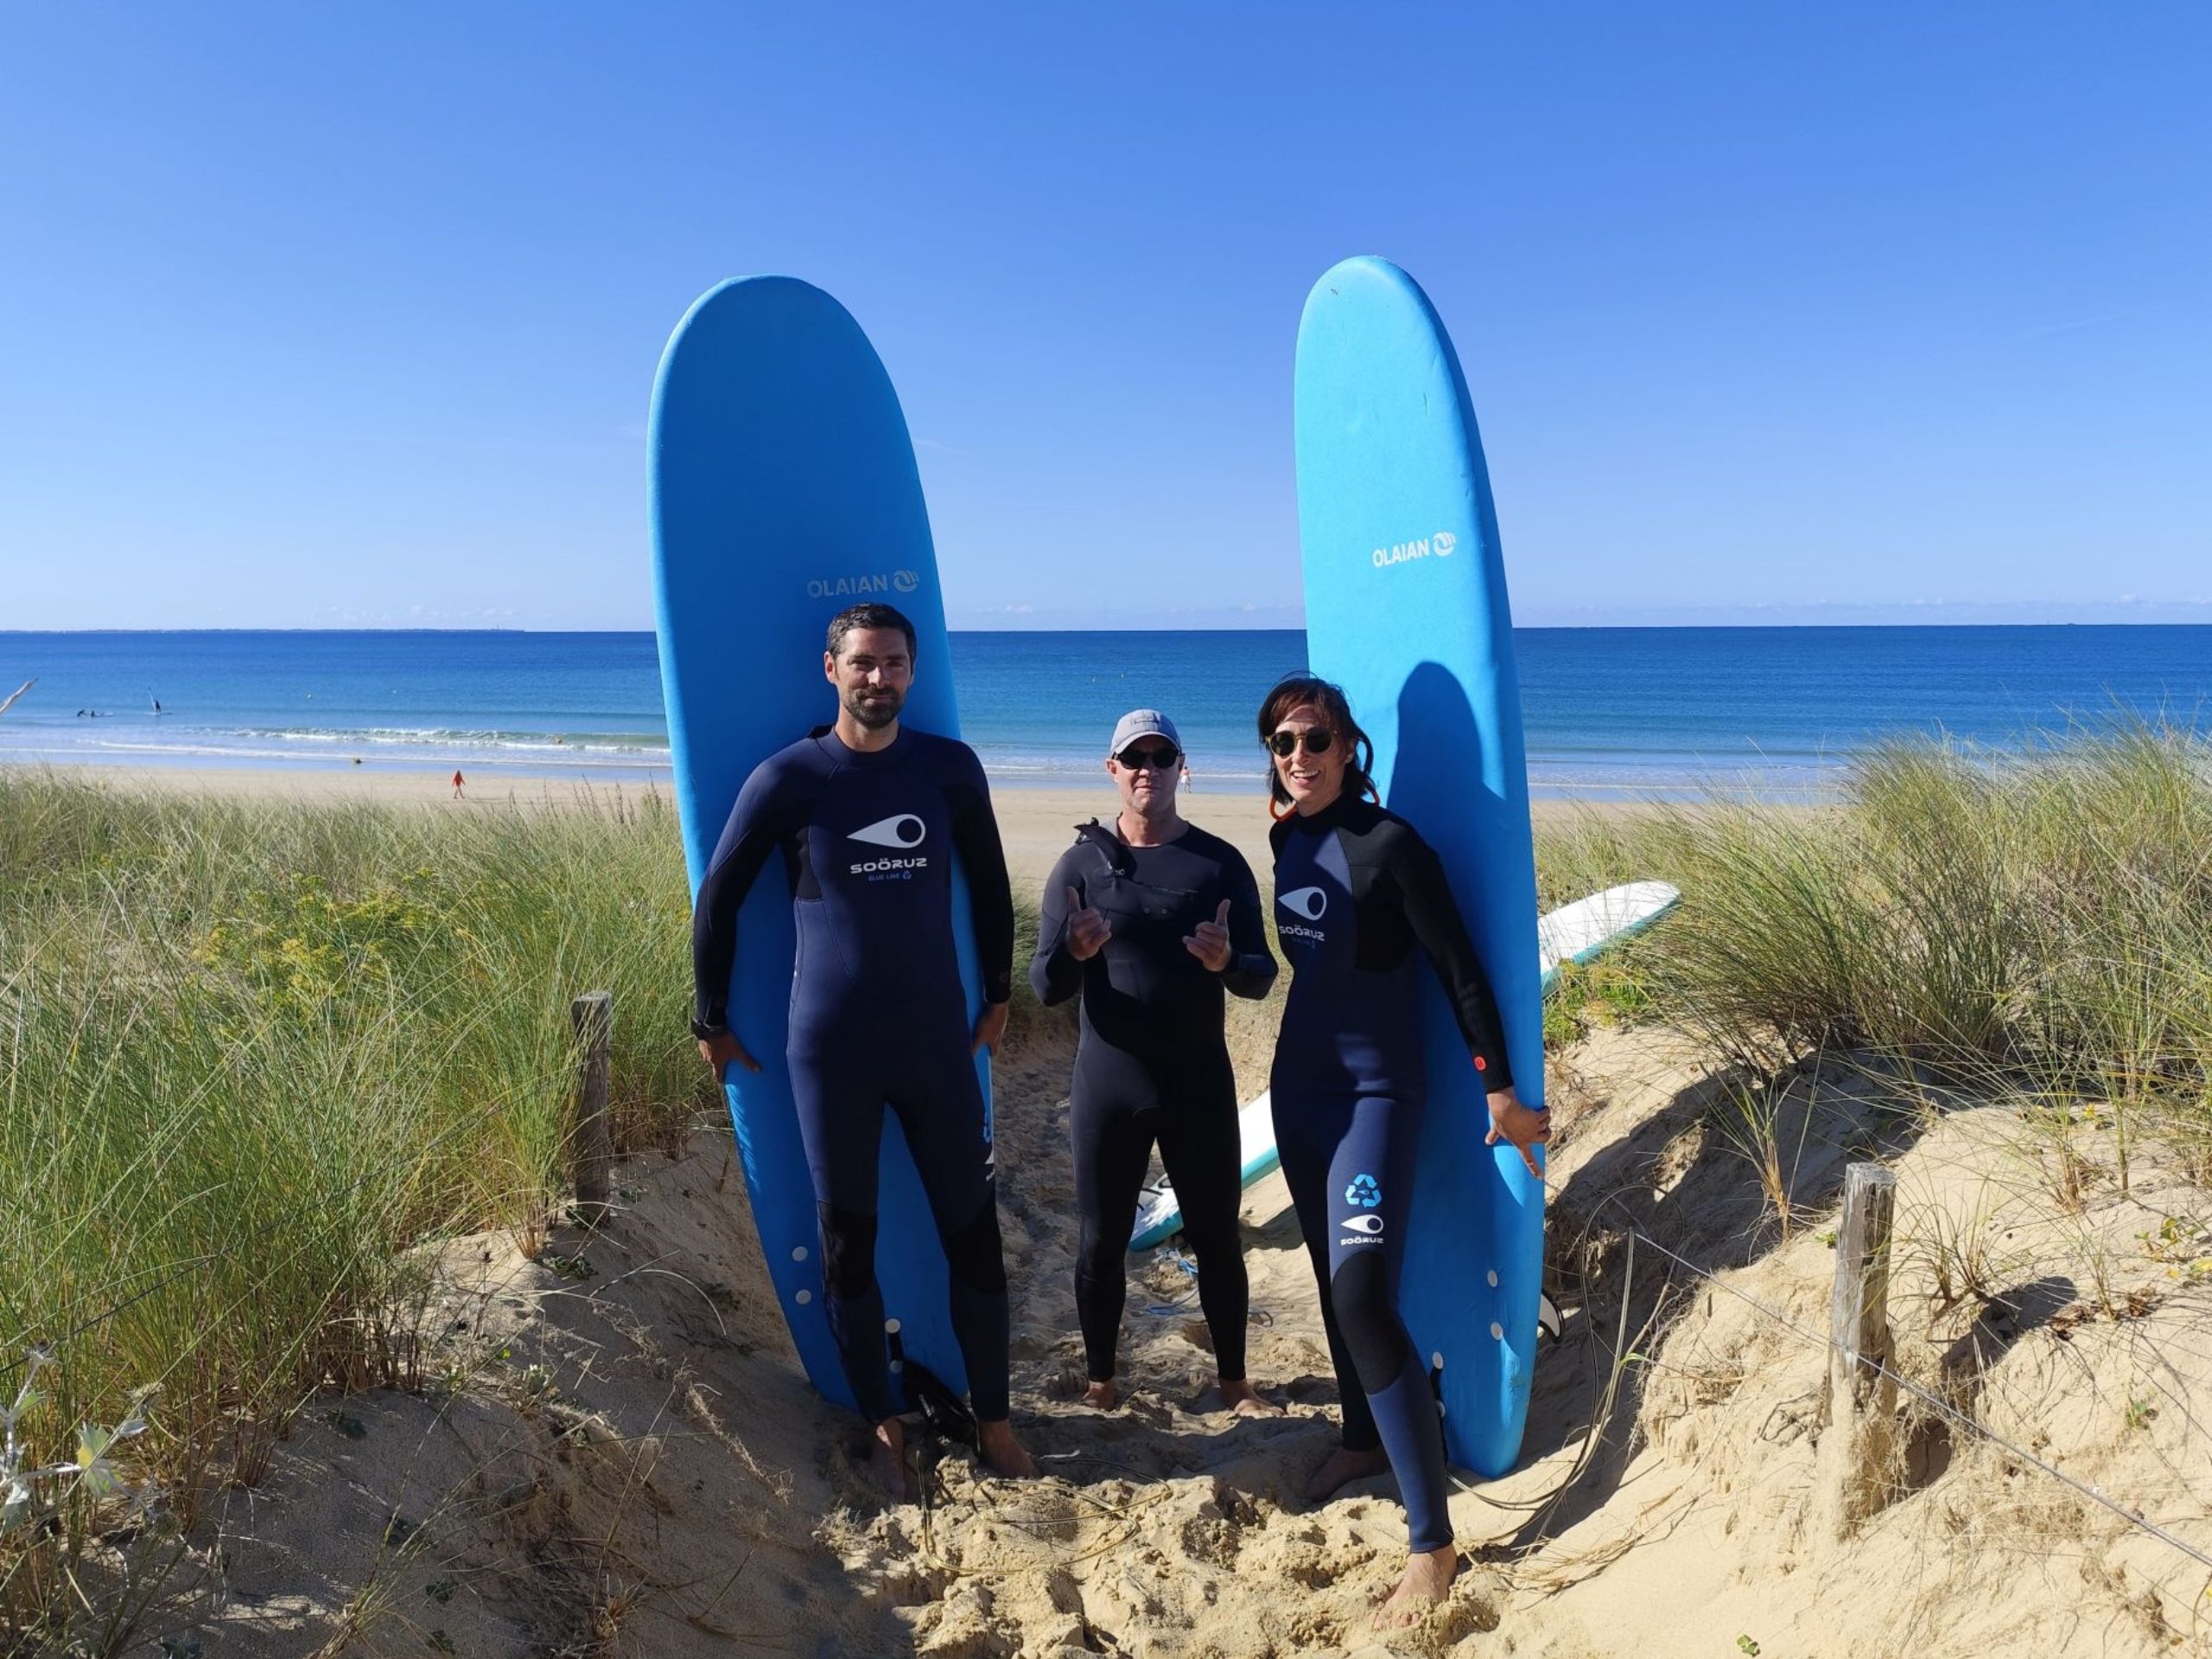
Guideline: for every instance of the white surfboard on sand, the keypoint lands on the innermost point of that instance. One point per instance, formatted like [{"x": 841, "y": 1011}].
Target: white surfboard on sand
[
  {"x": 1580, "y": 931},
  {"x": 1577, "y": 932}
]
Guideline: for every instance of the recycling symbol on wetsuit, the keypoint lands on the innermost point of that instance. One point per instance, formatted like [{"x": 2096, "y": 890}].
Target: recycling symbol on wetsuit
[{"x": 1364, "y": 1191}]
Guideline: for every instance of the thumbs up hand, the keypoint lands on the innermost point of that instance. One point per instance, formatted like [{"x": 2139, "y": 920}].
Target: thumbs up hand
[
  {"x": 1088, "y": 930},
  {"x": 1210, "y": 944}
]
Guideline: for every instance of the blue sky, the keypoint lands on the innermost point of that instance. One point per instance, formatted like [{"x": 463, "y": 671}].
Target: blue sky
[{"x": 316, "y": 316}]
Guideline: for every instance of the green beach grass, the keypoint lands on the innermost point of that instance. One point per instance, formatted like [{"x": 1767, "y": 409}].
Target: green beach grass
[
  {"x": 253, "y": 1052},
  {"x": 2037, "y": 925}
]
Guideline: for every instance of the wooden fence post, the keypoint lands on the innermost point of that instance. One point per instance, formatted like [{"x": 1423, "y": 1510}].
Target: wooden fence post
[
  {"x": 1856, "y": 1446},
  {"x": 591, "y": 1143}
]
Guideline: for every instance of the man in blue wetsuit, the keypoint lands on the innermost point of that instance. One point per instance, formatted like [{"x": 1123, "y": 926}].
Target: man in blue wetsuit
[
  {"x": 867, "y": 814},
  {"x": 1360, "y": 899}
]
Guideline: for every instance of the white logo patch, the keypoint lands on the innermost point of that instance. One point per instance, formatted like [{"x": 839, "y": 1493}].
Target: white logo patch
[
  {"x": 904, "y": 831},
  {"x": 1309, "y": 902},
  {"x": 1440, "y": 545},
  {"x": 845, "y": 587},
  {"x": 1364, "y": 1223}
]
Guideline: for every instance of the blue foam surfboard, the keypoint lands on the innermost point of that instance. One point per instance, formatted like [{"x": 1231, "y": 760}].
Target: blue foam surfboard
[
  {"x": 1406, "y": 608},
  {"x": 784, "y": 489}
]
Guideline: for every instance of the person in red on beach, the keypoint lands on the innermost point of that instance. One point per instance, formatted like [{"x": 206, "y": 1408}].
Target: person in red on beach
[{"x": 456, "y": 783}]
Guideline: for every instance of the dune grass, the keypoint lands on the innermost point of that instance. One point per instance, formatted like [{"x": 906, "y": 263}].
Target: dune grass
[
  {"x": 2039, "y": 922},
  {"x": 252, "y": 1053}
]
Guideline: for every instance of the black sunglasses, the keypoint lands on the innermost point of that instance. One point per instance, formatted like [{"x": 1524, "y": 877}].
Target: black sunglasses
[
  {"x": 1318, "y": 740},
  {"x": 1160, "y": 760}
]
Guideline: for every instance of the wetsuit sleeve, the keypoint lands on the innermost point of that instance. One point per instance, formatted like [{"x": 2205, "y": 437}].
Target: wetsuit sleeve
[
  {"x": 1251, "y": 970},
  {"x": 990, "y": 895},
  {"x": 1053, "y": 974},
  {"x": 758, "y": 825},
  {"x": 1434, "y": 915}
]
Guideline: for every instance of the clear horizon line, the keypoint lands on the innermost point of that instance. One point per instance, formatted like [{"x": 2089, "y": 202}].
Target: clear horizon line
[{"x": 1592, "y": 626}]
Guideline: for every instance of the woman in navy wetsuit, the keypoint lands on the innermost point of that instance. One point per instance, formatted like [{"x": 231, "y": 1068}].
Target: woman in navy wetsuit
[{"x": 1358, "y": 892}]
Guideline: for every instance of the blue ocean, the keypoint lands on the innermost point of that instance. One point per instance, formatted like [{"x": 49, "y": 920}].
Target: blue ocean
[{"x": 1611, "y": 713}]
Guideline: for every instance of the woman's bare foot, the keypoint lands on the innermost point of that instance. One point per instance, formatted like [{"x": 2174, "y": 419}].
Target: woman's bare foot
[
  {"x": 1101, "y": 1396},
  {"x": 887, "y": 1459},
  {"x": 1002, "y": 1452},
  {"x": 1428, "y": 1580},
  {"x": 1244, "y": 1400},
  {"x": 1342, "y": 1465}
]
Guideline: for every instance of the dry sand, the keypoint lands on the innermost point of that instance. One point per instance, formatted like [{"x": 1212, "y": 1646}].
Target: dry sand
[{"x": 623, "y": 1458}]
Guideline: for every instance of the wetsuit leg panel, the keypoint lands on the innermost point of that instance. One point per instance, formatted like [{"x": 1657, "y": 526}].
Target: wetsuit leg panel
[
  {"x": 1201, "y": 1149},
  {"x": 940, "y": 1107},
  {"x": 1370, "y": 1185},
  {"x": 1112, "y": 1146},
  {"x": 840, "y": 1125},
  {"x": 1307, "y": 1132}
]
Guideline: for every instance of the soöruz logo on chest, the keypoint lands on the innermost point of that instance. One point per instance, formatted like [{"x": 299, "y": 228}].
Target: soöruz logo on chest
[
  {"x": 1439, "y": 546},
  {"x": 901, "y": 831},
  {"x": 1312, "y": 903}
]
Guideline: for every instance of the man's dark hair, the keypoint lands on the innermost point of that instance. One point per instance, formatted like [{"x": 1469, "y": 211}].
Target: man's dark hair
[{"x": 867, "y": 616}]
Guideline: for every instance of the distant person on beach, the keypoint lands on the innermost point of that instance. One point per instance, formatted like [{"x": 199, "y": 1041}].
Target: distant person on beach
[
  {"x": 456, "y": 783},
  {"x": 1150, "y": 918},
  {"x": 1357, "y": 894},
  {"x": 866, "y": 814}
]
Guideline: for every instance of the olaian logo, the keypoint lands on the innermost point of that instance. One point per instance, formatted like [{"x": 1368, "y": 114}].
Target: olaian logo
[
  {"x": 1441, "y": 545},
  {"x": 903, "y": 581},
  {"x": 1309, "y": 902},
  {"x": 903, "y": 830}
]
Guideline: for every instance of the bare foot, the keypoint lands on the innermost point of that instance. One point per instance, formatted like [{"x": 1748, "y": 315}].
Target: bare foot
[
  {"x": 1344, "y": 1465},
  {"x": 1003, "y": 1453},
  {"x": 1244, "y": 1400},
  {"x": 1428, "y": 1580},
  {"x": 887, "y": 1459},
  {"x": 1101, "y": 1396}
]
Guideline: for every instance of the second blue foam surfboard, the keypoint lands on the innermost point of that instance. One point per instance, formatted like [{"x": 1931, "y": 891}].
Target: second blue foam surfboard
[{"x": 1406, "y": 608}]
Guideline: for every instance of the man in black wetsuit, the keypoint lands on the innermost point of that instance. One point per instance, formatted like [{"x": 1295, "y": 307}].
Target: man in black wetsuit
[
  {"x": 1360, "y": 899},
  {"x": 867, "y": 814},
  {"x": 1151, "y": 920}
]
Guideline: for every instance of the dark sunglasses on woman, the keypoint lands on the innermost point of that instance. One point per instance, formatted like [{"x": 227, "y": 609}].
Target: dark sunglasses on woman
[
  {"x": 1318, "y": 740},
  {"x": 1160, "y": 760}
]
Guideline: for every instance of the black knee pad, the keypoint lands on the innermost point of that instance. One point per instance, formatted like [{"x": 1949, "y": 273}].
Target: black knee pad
[
  {"x": 973, "y": 1255},
  {"x": 848, "y": 1251},
  {"x": 1360, "y": 1294}
]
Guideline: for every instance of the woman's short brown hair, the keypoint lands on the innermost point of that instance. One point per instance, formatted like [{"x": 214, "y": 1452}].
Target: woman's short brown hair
[{"x": 1336, "y": 713}]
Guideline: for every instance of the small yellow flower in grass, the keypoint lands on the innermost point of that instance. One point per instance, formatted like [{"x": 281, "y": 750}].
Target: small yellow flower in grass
[{"x": 95, "y": 1469}]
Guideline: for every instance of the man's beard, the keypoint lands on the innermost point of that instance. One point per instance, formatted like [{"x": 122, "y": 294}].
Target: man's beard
[{"x": 877, "y": 715}]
